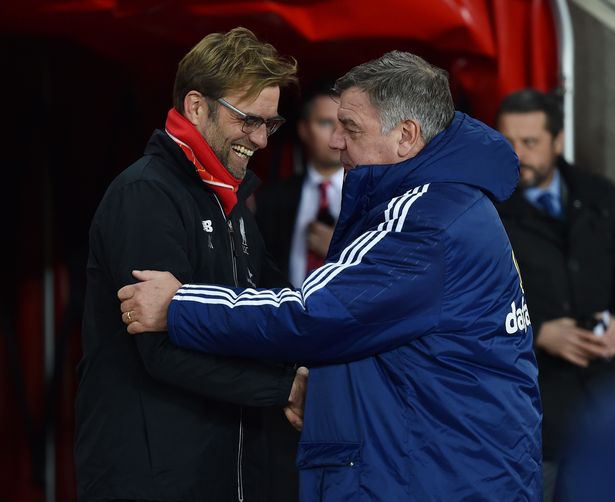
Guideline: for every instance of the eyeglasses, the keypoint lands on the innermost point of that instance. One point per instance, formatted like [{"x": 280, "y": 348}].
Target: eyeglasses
[{"x": 252, "y": 122}]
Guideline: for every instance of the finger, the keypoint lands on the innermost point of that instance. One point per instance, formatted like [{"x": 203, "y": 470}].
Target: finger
[
  {"x": 126, "y": 292},
  {"x": 135, "y": 327},
  {"x": 595, "y": 346},
  {"x": 129, "y": 316},
  {"x": 127, "y": 305},
  {"x": 147, "y": 275},
  {"x": 583, "y": 332},
  {"x": 576, "y": 359},
  {"x": 591, "y": 352},
  {"x": 591, "y": 339}
]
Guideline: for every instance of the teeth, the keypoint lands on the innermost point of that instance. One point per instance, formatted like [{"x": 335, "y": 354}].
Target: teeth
[{"x": 242, "y": 151}]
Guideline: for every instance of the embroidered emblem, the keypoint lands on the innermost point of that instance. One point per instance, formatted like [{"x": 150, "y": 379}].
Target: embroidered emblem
[
  {"x": 250, "y": 280},
  {"x": 207, "y": 226}
]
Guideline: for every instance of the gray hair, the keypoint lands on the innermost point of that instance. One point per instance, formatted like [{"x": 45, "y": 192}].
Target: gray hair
[{"x": 403, "y": 86}]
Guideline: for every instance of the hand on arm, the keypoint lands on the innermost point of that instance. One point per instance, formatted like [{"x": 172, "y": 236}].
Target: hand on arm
[
  {"x": 296, "y": 401},
  {"x": 145, "y": 304},
  {"x": 322, "y": 323},
  {"x": 563, "y": 338}
]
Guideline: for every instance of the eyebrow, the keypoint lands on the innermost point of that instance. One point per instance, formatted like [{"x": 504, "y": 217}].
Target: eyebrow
[
  {"x": 274, "y": 117},
  {"x": 348, "y": 122},
  {"x": 243, "y": 114}
]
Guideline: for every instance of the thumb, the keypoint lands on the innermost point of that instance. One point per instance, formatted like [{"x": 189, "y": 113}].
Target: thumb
[{"x": 146, "y": 275}]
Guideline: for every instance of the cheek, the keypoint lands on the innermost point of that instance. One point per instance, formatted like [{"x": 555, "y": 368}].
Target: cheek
[
  {"x": 323, "y": 138},
  {"x": 362, "y": 151},
  {"x": 535, "y": 161},
  {"x": 228, "y": 133},
  {"x": 378, "y": 151}
]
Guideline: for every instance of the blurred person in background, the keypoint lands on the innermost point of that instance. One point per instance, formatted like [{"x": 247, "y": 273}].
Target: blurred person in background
[
  {"x": 561, "y": 223},
  {"x": 296, "y": 215}
]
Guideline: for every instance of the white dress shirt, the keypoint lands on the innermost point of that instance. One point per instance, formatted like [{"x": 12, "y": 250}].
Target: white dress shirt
[{"x": 306, "y": 214}]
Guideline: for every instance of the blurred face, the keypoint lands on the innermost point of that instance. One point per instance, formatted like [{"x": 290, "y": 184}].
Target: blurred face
[
  {"x": 315, "y": 132},
  {"x": 357, "y": 134},
  {"x": 536, "y": 148},
  {"x": 223, "y": 129}
]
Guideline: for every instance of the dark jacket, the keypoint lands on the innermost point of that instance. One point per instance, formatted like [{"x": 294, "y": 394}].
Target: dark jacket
[
  {"x": 153, "y": 421},
  {"x": 567, "y": 268},
  {"x": 276, "y": 213}
]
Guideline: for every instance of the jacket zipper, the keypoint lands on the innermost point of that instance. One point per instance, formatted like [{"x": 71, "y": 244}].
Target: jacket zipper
[
  {"x": 240, "y": 459},
  {"x": 231, "y": 232}
]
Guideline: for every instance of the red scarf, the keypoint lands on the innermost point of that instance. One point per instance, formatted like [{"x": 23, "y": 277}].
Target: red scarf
[{"x": 192, "y": 143}]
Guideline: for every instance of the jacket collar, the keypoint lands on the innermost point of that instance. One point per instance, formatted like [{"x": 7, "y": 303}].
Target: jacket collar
[
  {"x": 467, "y": 152},
  {"x": 160, "y": 145}
]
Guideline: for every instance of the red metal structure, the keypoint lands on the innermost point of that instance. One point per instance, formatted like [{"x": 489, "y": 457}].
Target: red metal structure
[{"x": 86, "y": 81}]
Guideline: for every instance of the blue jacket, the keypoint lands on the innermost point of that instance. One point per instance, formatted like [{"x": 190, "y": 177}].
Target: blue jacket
[{"x": 423, "y": 381}]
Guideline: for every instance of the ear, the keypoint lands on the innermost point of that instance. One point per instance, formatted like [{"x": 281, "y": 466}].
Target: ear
[
  {"x": 195, "y": 107},
  {"x": 411, "y": 140},
  {"x": 558, "y": 143}
]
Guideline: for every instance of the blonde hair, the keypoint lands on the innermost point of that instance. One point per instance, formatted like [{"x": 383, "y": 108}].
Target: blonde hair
[{"x": 231, "y": 61}]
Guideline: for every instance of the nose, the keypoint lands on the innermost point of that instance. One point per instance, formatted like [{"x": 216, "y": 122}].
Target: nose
[
  {"x": 259, "y": 136},
  {"x": 336, "y": 141}
]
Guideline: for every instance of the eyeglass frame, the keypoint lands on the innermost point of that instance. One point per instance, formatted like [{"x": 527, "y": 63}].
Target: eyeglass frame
[{"x": 271, "y": 125}]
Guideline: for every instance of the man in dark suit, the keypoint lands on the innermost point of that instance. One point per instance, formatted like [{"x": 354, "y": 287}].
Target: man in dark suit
[
  {"x": 561, "y": 222},
  {"x": 296, "y": 216}
]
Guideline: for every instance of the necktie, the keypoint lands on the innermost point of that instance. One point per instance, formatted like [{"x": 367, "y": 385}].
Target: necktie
[
  {"x": 323, "y": 215},
  {"x": 547, "y": 203}
]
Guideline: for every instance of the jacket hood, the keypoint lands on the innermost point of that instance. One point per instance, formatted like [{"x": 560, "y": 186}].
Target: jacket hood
[{"x": 467, "y": 152}]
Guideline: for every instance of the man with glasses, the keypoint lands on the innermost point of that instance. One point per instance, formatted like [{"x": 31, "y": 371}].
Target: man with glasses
[{"x": 155, "y": 422}]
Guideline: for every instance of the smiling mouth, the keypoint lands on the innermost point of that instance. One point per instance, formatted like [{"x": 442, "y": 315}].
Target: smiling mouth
[{"x": 242, "y": 151}]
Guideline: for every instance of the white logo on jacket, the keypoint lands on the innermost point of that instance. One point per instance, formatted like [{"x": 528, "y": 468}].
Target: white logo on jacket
[
  {"x": 518, "y": 319},
  {"x": 207, "y": 226}
]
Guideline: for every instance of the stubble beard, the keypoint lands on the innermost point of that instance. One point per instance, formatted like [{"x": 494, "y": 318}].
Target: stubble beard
[{"x": 536, "y": 179}]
